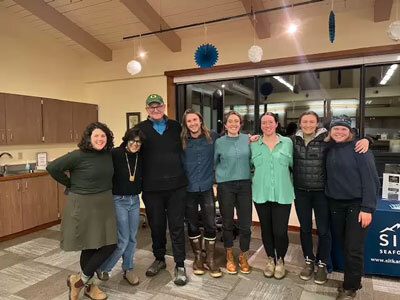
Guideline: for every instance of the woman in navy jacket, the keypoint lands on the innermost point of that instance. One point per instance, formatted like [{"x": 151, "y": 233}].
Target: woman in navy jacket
[{"x": 352, "y": 189}]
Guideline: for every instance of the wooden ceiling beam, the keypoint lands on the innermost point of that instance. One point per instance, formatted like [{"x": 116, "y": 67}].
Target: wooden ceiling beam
[
  {"x": 262, "y": 22},
  {"x": 57, "y": 20},
  {"x": 149, "y": 17},
  {"x": 382, "y": 9}
]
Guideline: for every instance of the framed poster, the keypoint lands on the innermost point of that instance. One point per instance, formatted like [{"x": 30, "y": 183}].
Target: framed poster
[{"x": 132, "y": 118}]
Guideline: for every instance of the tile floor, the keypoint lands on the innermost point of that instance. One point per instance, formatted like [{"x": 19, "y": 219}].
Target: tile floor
[{"x": 33, "y": 267}]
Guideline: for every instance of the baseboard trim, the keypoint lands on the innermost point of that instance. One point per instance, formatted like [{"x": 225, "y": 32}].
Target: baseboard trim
[{"x": 28, "y": 231}]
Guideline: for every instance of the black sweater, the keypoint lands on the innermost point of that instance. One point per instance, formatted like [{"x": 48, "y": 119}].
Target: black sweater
[
  {"x": 351, "y": 175},
  {"x": 162, "y": 157},
  {"x": 121, "y": 183}
]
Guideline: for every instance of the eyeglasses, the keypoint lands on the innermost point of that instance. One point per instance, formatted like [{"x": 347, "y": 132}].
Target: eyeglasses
[
  {"x": 153, "y": 108},
  {"x": 138, "y": 142}
]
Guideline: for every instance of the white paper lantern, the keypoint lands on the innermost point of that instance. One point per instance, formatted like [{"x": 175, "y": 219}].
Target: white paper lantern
[
  {"x": 255, "y": 53},
  {"x": 394, "y": 30},
  {"x": 134, "y": 67}
]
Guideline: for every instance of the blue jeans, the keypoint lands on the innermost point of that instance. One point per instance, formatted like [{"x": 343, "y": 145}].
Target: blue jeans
[{"x": 127, "y": 210}]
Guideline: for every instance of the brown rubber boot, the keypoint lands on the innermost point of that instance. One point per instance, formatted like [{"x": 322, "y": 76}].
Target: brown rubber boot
[
  {"x": 75, "y": 285},
  {"x": 93, "y": 292},
  {"x": 230, "y": 262},
  {"x": 243, "y": 264},
  {"x": 198, "y": 268},
  {"x": 210, "y": 264}
]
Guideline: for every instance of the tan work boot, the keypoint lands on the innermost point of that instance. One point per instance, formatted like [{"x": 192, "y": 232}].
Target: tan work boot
[
  {"x": 75, "y": 285},
  {"x": 131, "y": 277},
  {"x": 93, "y": 292},
  {"x": 280, "y": 271},
  {"x": 269, "y": 267},
  {"x": 243, "y": 264},
  {"x": 210, "y": 264},
  {"x": 230, "y": 262},
  {"x": 198, "y": 268}
]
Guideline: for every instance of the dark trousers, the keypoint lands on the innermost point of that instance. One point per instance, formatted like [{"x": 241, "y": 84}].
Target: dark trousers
[
  {"x": 237, "y": 194},
  {"x": 160, "y": 207},
  {"x": 305, "y": 203},
  {"x": 92, "y": 259},
  {"x": 351, "y": 237},
  {"x": 206, "y": 201},
  {"x": 274, "y": 220}
]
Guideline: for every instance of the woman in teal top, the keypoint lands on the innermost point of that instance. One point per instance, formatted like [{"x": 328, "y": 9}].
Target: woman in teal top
[
  {"x": 273, "y": 191},
  {"x": 232, "y": 170}
]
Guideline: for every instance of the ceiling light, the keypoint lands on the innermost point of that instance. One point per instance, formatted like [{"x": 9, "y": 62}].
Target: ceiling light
[
  {"x": 388, "y": 74},
  {"x": 292, "y": 28},
  {"x": 284, "y": 82},
  {"x": 142, "y": 53},
  {"x": 223, "y": 85},
  {"x": 134, "y": 67}
]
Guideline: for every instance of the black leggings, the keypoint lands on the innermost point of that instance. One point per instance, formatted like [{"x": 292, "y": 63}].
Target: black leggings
[{"x": 92, "y": 259}]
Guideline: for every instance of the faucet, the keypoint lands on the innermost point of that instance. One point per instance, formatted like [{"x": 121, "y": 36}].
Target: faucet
[
  {"x": 3, "y": 169},
  {"x": 6, "y": 153}
]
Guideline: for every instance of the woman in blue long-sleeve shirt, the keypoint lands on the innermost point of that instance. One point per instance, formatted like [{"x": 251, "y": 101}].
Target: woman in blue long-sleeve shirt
[{"x": 352, "y": 189}]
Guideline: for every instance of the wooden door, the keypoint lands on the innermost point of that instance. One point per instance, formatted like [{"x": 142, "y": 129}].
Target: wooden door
[
  {"x": 3, "y": 139},
  {"x": 23, "y": 119},
  {"x": 62, "y": 198},
  {"x": 10, "y": 207},
  {"x": 83, "y": 115},
  {"x": 39, "y": 200},
  {"x": 57, "y": 121}
]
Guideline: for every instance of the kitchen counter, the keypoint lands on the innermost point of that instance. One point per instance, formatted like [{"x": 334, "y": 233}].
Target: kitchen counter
[{"x": 22, "y": 175}]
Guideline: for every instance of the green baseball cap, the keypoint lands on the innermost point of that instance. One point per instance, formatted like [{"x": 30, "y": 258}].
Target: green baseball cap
[{"x": 154, "y": 98}]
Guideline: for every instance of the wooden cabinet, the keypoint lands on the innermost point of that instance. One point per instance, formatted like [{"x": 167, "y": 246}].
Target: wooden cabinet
[
  {"x": 27, "y": 203},
  {"x": 23, "y": 119},
  {"x": 39, "y": 201},
  {"x": 10, "y": 207},
  {"x": 3, "y": 139},
  {"x": 57, "y": 121},
  {"x": 83, "y": 115},
  {"x": 32, "y": 120},
  {"x": 64, "y": 121}
]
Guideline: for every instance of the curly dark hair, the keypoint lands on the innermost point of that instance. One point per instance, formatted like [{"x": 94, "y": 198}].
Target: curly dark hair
[
  {"x": 130, "y": 135},
  {"x": 85, "y": 143}
]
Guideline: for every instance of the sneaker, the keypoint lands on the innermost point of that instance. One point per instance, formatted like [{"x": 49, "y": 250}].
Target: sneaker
[
  {"x": 280, "y": 271},
  {"x": 269, "y": 267},
  {"x": 180, "y": 276},
  {"x": 308, "y": 270},
  {"x": 321, "y": 276},
  {"x": 131, "y": 277},
  {"x": 103, "y": 276},
  {"x": 155, "y": 267},
  {"x": 346, "y": 295}
]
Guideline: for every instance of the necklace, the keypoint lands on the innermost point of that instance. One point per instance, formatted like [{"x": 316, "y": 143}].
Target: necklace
[{"x": 131, "y": 176}]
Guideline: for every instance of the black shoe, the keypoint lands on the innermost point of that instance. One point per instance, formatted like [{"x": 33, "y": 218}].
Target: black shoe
[
  {"x": 155, "y": 267},
  {"x": 321, "y": 276},
  {"x": 308, "y": 270},
  {"x": 346, "y": 295},
  {"x": 180, "y": 276},
  {"x": 103, "y": 276}
]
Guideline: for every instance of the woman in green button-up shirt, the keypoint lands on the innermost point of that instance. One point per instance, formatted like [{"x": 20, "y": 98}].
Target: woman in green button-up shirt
[{"x": 273, "y": 191}]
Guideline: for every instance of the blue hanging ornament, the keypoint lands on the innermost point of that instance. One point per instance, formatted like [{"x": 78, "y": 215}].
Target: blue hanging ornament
[
  {"x": 206, "y": 55},
  {"x": 332, "y": 26}
]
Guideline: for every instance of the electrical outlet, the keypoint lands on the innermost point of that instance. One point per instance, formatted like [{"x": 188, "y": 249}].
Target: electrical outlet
[{"x": 20, "y": 155}]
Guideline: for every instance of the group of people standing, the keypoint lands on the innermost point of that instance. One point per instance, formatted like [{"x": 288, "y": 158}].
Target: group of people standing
[{"x": 174, "y": 166}]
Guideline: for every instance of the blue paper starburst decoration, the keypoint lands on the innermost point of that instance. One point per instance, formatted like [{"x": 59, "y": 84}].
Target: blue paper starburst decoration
[
  {"x": 206, "y": 55},
  {"x": 332, "y": 26}
]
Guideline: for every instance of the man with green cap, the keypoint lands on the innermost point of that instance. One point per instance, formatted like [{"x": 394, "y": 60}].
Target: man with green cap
[{"x": 164, "y": 186}]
